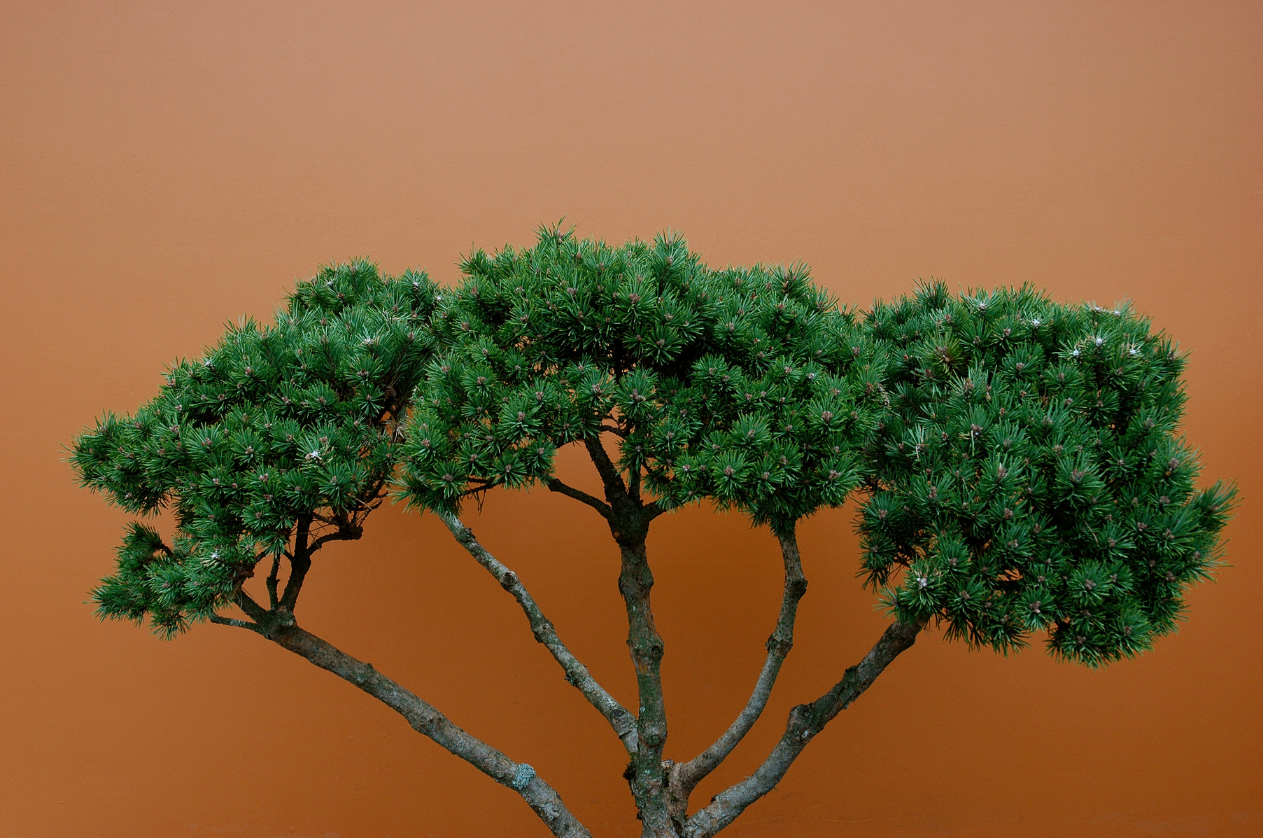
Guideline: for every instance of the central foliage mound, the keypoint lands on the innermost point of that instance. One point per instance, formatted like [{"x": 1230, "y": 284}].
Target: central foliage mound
[{"x": 748, "y": 386}]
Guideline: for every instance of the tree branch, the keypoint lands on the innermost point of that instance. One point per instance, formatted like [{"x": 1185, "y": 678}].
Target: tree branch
[
  {"x": 614, "y": 488},
  {"x": 633, "y": 484},
  {"x": 620, "y": 719},
  {"x": 425, "y": 719},
  {"x": 230, "y": 621},
  {"x": 653, "y": 510},
  {"x": 345, "y": 532},
  {"x": 252, "y": 609},
  {"x": 629, "y": 524},
  {"x": 685, "y": 776},
  {"x": 298, "y": 567},
  {"x": 304, "y": 547},
  {"x": 805, "y": 721},
  {"x": 555, "y": 485},
  {"x": 273, "y": 600}
]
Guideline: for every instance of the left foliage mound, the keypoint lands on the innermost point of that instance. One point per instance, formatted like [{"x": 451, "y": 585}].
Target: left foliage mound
[{"x": 278, "y": 437}]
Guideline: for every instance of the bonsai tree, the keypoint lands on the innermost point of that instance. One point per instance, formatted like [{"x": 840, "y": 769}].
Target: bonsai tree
[{"x": 1016, "y": 463}]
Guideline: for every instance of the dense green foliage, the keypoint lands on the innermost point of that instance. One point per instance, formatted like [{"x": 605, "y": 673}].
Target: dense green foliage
[
  {"x": 1029, "y": 476},
  {"x": 747, "y": 386},
  {"x": 1018, "y": 462},
  {"x": 278, "y": 432}
]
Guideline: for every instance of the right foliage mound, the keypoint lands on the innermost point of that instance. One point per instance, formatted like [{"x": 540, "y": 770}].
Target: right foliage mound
[{"x": 1028, "y": 476}]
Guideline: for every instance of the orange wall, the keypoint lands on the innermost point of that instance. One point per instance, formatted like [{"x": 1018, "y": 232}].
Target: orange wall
[{"x": 165, "y": 167}]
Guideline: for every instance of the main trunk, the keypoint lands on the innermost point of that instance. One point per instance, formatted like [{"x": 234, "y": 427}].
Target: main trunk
[{"x": 646, "y": 774}]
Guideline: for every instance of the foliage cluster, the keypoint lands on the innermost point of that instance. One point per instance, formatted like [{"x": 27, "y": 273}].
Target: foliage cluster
[
  {"x": 1029, "y": 476},
  {"x": 278, "y": 432}
]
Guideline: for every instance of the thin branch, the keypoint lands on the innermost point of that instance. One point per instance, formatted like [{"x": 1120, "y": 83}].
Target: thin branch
[
  {"x": 273, "y": 601},
  {"x": 231, "y": 621},
  {"x": 346, "y": 532},
  {"x": 633, "y": 484},
  {"x": 303, "y": 533},
  {"x": 685, "y": 776},
  {"x": 805, "y": 721},
  {"x": 481, "y": 486},
  {"x": 623, "y": 723},
  {"x": 653, "y": 510},
  {"x": 427, "y": 720},
  {"x": 614, "y": 487},
  {"x": 299, "y": 563},
  {"x": 555, "y": 485},
  {"x": 252, "y": 609},
  {"x": 614, "y": 429},
  {"x": 298, "y": 567}
]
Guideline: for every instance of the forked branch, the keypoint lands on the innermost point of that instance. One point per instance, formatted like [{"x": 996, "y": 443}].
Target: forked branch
[
  {"x": 685, "y": 776},
  {"x": 805, "y": 721},
  {"x": 346, "y": 528}
]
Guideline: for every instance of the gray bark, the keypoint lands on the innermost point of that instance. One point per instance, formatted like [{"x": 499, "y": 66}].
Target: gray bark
[
  {"x": 629, "y": 521},
  {"x": 425, "y": 719},
  {"x": 278, "y": 625},
  {"x": 646, "y": 774},
  {"x": 623, "y": 723},
  {"x": 805, "y": 721},
  {"x": 685, "y": 776}
]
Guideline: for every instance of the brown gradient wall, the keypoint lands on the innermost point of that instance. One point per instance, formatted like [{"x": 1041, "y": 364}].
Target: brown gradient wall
[{"x": 167, "y": 167}]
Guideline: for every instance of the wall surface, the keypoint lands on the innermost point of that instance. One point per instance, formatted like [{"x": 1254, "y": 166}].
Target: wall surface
[{"x": 167, "y": 167}]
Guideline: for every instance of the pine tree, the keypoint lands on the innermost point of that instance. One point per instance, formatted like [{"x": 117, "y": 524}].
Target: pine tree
[{"x": 1017, "y": 465}]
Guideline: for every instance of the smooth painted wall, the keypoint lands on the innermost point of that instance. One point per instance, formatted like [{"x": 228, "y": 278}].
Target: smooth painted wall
[{"x": 167, "y": 167}]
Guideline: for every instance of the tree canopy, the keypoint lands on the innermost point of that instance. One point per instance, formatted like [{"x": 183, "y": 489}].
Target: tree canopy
[
  {"x": 1017, "y": 466},
  {"x": 1018, "y": 461}
]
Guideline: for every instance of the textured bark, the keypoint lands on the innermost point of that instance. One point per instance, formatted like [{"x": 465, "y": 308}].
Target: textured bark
[
  {"x": 805, "y": 721},
  {"x": 685, "y": 776},
  {"x": 646, "y": 774},
  {"x": 425, "y": 719},
  {"x": 623, "y": 723},
  {"x": 629, "y": 525}
]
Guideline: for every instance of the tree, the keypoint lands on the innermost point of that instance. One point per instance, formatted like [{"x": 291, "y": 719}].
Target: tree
[{"x": 1016, "y": 463}]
